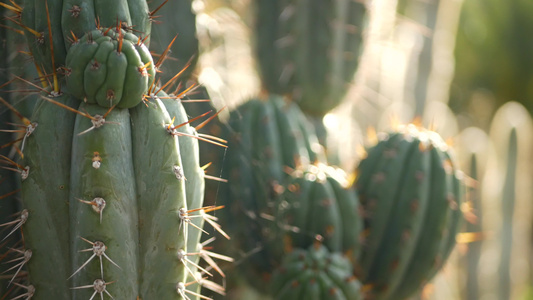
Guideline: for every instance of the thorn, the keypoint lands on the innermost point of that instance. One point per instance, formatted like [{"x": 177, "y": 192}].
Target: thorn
[
  {"x": 29, "y": 294},
  {"x": 182, "y": 256},
  {"x": 163, "y": 56},
  {"x": 171, "y": 80},
  {"x": 98, "y": 205},
  {"x": 14, "y": 110},
  {"x": 183, "y": 93},
  {"x": 181, "y": 288},
  {"x": 16, "y": 9},
  {"x": 201, "y": 125},
  {"x": 186, "y": 217},
  {"x": 56, "y": 83},
  {"x": 99, "y": 286},
  {"x": 120, "y": 38},
  {"x": 215, "y": 178},
  {"x": 152, "y": 13},
  {"x": 24, "y": 171},
  {"x": 208, "y": 257},
  {"x": 26, "y": 256},
  {"x": 18, "y": 223},
  {"x": 9, "y": 194},
  {"x": 42, "y": 89},
  {"x": 98, "y": 250},
  {"x": 172, "y": 129}
]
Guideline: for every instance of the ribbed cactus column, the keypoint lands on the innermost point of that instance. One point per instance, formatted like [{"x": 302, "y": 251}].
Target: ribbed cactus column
[{"x": 411, "y": 194}]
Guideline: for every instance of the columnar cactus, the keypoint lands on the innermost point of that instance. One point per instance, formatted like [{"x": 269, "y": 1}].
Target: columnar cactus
[
  {"x": 112, "y": 189},
  {"x": 309, "y": 49},
  {"x": 411, "y": 193}
]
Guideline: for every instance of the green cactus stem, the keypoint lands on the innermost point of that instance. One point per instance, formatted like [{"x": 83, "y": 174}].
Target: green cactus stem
[
  {"x": 411, "y": 194},
  {"x": 111, "y": 68}
]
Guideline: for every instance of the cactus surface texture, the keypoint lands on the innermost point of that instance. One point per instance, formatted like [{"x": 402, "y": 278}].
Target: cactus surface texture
[
  {"x": 309, "y": 49},
  {"x": 411, "y": 194}
]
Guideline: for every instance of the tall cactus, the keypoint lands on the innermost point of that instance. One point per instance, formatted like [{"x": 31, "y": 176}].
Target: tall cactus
[{"x": 112, "y": 190}]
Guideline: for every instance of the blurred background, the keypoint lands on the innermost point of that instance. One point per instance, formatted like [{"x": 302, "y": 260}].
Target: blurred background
[{"x": 461, "y": 67}]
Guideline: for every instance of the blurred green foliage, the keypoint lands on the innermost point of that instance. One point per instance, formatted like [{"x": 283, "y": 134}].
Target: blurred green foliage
[{"x": 493, "y": 52}]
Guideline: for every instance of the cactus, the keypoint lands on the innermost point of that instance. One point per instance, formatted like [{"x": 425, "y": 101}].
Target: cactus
[
  {"x": 315, "y": 273},
  {"x": 318, "y": 205},
  {"x": 286, "y": 202},
  {"x": 411, "y": 193},
  {"x": 112, "y": 190},
  {"x": 102, "y": 195},
  {"x": 109, "y": 67},
  {"x": 265, "y": 137},
  {"x": 309, "y": 49}
]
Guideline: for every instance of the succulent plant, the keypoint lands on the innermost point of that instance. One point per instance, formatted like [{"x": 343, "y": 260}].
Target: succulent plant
[
  {"x": 411, "y": 194},
  {"x": 315, "y": 273}
]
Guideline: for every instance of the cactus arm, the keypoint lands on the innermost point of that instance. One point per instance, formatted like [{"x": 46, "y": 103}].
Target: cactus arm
[
  {"x": 161, "y": 195},
  {"x": 434, "y": 225},
  {"x": 349, "y": 209},
  {"x": 116, "y": 224},
  {"x": 405, "y": 226},
  {"x": 194, "y": 174},
  {"x": 46, "y": 198},
  {"x": 325, "y": 218},
  {"x": 387, "y": 176}
]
